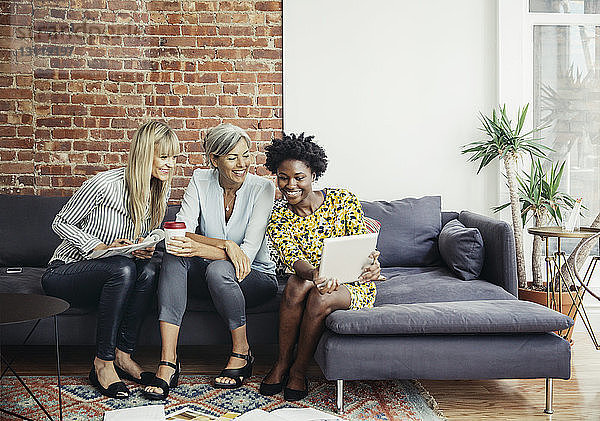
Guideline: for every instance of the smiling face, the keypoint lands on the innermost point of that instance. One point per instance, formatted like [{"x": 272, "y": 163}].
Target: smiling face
[
  {"x": 294, "y": 179},
  {"x": 233, "y": 167},
  {"x": 162, "y": 165}
]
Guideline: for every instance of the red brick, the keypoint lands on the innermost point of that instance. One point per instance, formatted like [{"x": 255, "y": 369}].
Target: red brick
[
  {"x": 271, "y": 124},
  {"x": 244, "y": 123},
  {"x": 198, "y": 30},
  {"x": 54, "y": 122},
  {"x": 89, "y": 145},
  {"x": 105, "y": 64},
  {"x": 238, "y": 77},
  {"x": 88, "y": 169},
  {"x": 233, "y": 53},
  {"x": 267, "y": 54},
  {"x": 163, "y": 6},
  {"x": 199, "y": 100},
  {"x": 251, "y": 42},
  {"x": 126, "y": 76},
  {"x": 54, "y": 169},
  {"x": 180, "y": 112},
  {"x": 12, "y": 93},
  {"x": 268, "y": 5},
  {"x": 213, "y": 41},
  {"x": 201, "y": 78},
  {"x": 224, "y": 112},
  {"x": 215, "y": 66},
  {"x": 8, "y": 131},
  {"x": 89, "y": 99},
  {"x": 123, "y": 5},
  {"x": 236, "y": 31},
  {"x": 16, "y": 167},
  {"x": 69, "y": 134},
  {"x": 201, "y": 123},
  {"x": 71, "y": 110},
  {"x": 68, "y": 181},
  {"x": 89, "y": 74},
  {"x": 107, "y": 111}
]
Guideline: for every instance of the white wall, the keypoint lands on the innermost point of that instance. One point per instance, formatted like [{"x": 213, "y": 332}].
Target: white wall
[{"x": 392, "y": 89}]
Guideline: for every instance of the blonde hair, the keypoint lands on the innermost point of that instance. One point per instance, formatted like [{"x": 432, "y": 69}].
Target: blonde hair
[
  {"x": 220, "y": 140},
  {"x": 145, "y": 190}
]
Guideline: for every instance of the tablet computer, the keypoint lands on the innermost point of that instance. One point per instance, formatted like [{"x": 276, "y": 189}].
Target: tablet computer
[{"x": 344, "y": 257}]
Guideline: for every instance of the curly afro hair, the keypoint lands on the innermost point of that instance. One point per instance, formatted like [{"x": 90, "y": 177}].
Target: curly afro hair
[{"x": 300, "y": 148}]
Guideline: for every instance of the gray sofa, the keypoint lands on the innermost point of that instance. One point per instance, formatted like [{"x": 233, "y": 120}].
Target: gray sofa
[{"x": 427, "y": 322}]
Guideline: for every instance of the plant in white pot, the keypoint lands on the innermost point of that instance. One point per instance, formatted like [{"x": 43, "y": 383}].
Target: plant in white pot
[{"x": 507, "y": 142}]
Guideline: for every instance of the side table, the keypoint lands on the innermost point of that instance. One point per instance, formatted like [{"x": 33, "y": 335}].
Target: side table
[
  {"x": 555, "y": 279},
  {"x": 19, "y": 308}
]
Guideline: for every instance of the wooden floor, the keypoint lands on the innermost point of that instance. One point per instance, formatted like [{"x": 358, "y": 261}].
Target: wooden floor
[{"x": 574, "y": 399}]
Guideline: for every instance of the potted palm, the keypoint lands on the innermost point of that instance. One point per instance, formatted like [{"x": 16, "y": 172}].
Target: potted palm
[
  {"x": 542, "y": 201},
  {"x": 507, "y": 141}
]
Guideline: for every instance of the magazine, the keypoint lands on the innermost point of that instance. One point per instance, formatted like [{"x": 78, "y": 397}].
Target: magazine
[
  {"x": 190, "y": 414},
  {"x": 137, "y": 413},
  {"x": 151, "y": 240}
]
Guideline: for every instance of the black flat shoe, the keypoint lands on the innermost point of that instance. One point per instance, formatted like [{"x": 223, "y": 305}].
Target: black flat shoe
[
  {"x": 116, "y": 390},
  {"x": 160, "y": 383},
  {"x": 294, "y": 394},
  {"x": 237, "y": 374},
  {"x": 146, "y": 377},
  {"x": 270, "y": 389}
]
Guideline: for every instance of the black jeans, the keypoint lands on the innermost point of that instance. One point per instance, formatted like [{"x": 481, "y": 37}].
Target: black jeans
[{"x": 122, "y": 288}]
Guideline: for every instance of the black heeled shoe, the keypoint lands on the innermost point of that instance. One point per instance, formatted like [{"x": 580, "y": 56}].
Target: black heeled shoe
[
  {"x": 146, "y": 377},
  {"x": 116, "y": 390},
  {"x": 294, "y": 394},
  {"x": 237, "y": 374},
  {"x": 160, "y": 383},
  {"x": 270, "y": 389}
]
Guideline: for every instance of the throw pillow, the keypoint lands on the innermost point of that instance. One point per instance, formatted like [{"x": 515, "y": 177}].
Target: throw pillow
[
  {"x": 462, "y": 250},
  {"x": 372, "y": 225},
  {"x": 409, "y": 230}
]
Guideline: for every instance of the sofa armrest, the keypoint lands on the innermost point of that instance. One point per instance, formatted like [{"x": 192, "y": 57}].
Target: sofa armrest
[{"x": 500, "y": 265}]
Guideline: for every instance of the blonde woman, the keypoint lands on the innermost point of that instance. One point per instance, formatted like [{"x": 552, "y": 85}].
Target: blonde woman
[{"x": 115, "y": 207}]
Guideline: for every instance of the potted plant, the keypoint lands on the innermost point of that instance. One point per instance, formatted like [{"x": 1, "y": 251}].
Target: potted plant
[
  {"x": 507, "y": 142},
  {"x": 541, "y": 200}
]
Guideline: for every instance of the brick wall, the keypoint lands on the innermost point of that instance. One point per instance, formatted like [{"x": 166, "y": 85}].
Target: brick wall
[{"x": 77, "y": 77}]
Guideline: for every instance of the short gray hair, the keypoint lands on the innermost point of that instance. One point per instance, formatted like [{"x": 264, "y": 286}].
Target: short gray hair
[{"x": 220, "y": 140}]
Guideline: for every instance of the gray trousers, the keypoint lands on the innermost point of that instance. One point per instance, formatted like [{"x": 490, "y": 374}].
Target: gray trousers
[{"x": 215, "y": 279}]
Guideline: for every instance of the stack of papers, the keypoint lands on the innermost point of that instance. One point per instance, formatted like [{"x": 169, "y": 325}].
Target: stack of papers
[{"x": 157, "y": 413}]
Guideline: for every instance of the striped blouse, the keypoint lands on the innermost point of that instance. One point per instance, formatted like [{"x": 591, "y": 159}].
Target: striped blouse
[{"x": 97, "y": 213}]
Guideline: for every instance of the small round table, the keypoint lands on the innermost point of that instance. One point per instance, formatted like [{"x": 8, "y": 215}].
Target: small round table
[
  {"x": 554, "y": 277},
  {"x": 19, "y": 308}
]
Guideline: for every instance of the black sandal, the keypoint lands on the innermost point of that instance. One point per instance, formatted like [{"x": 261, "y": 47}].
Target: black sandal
[
  {"x": 237, "y": 374},
  {"x": 116, "y": 390},
  {"x": 146, "y": 377},
  {"x": 160, "y": 383}
]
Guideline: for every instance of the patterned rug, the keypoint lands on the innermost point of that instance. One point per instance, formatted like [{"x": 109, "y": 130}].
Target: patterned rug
[{"x": 364, "y": 400}]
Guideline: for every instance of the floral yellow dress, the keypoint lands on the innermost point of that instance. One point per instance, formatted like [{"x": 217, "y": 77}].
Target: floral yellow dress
[{"x": 301, "y": 238}]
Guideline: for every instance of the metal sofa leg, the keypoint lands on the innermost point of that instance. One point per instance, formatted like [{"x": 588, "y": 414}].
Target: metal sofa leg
[
  {"x": 549, "y": 392},
  {"x": 339, "y": 403}
]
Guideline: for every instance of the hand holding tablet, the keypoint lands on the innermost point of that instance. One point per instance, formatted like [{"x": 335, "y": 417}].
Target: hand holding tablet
[{"x": 349, "y": 259}]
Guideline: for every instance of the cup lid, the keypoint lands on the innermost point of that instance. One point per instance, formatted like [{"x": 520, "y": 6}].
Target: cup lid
[{"x": 172, "y": 225}]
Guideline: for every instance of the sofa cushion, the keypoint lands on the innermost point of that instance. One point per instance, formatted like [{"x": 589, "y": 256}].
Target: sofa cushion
[
  {"x": 28, "y": 219},
  {"x": 409, "y": 230},
  {"x": 459, "y": 317},
  {"x": 433, "y": 284},
  {"x": 462, "y": 249}
]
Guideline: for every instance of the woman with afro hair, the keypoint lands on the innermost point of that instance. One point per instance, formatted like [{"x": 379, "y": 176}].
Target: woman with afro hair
[{"x": 297, "y": 231}]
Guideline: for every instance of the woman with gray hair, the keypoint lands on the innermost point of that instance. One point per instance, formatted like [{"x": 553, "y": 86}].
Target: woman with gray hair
[{"x": 223, "y": 255}]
